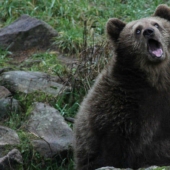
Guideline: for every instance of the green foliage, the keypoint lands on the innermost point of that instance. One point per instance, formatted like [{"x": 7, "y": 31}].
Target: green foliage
[
  {"x": 26, "y": 100},
  {"x": 4, "y": 58},
  {"x": 14, "y": 121},
  {"x": 67, "y": 109},
  {"x": 69, "y": 17}
]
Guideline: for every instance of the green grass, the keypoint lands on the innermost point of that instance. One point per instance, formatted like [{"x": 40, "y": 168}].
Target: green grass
[
  {"x": 72, "y": 18},
  {"x": 4, "y": 59},
  {"x": 80, "y": 24},
  {"x": 48, "y": 63}
]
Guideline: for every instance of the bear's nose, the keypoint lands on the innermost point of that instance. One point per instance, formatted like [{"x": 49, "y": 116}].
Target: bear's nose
[{"x": 148, "y": 32}]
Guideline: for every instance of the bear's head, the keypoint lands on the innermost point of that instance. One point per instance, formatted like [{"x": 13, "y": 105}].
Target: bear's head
[{"x": 146, "y": 41}]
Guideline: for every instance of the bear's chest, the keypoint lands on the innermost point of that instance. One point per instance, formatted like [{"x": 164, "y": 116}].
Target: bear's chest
[
  {"x": 145, "y": 114},
  {"x": 154, "y": 111}
]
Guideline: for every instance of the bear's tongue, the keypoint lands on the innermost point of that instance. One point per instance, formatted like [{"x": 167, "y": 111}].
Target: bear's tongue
[{"x": 155, "y": 48}]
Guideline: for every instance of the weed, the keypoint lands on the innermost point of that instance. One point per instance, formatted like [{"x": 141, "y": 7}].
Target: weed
[
  {"x": 49, "y": 64},
  {"x": 4, "y": 59},
  {"x": 14, "y": 121}
]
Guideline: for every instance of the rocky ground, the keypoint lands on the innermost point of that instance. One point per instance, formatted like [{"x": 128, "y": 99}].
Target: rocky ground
[{"x": 48, "y": 132}]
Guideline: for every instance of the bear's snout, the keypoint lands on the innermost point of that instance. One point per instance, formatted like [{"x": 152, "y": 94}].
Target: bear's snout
[{"x": 148, "y": 33}]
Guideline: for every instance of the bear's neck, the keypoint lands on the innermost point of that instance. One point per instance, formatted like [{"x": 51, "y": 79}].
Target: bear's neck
[
  {"x": 129, "y": 77},
  {"x": 149, "y": 76}
]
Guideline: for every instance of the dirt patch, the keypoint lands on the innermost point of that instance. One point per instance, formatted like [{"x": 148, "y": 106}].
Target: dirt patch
[{"x": 21, "y": 56}]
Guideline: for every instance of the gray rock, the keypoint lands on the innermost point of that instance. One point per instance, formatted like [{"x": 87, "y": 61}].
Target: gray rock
[
  {"x": 11, "y": 161},
  {"x": 4, "y": 92},
  {"x": 149, "y": 168},
  {"x": 8, "y": 137},
  {"x": 152, "y": 168},
  {"x": 25, "y": 33},
  {"x": 54, "y": 135},
  {"x": 8, "y": 106},
  {"x": 27, "y": 82},
  {"x": 112, "y": 168}
]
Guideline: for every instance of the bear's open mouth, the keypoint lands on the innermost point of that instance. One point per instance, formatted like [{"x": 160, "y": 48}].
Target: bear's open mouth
[{"x": 155, "y": 48}]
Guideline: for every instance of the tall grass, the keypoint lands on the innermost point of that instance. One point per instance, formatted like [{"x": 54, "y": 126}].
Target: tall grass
[{"x": 68, "y": 17}]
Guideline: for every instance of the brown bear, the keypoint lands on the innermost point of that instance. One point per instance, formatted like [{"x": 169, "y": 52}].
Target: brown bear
[{"x": 124, "y": 121}]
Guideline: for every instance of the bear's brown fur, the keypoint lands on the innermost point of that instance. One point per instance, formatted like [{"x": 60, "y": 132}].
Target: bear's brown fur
[{"x": 124, "y": 121}]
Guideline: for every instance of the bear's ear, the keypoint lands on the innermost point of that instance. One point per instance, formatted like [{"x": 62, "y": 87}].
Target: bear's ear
[
  {"x": 114, "y": 27},
  {"x": 163, "y": 11}
]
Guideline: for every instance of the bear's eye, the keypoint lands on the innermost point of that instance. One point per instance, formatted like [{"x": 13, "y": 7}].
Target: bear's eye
[
  {"x": 138, "y": 31},
  {"x": 156, "y": 25}
]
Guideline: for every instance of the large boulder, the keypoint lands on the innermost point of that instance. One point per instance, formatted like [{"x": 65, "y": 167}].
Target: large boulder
[
  {"x": 28, "y": 82},
  {"x": 26, "y": 33},
  {"x": 54, "y": 136}
]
